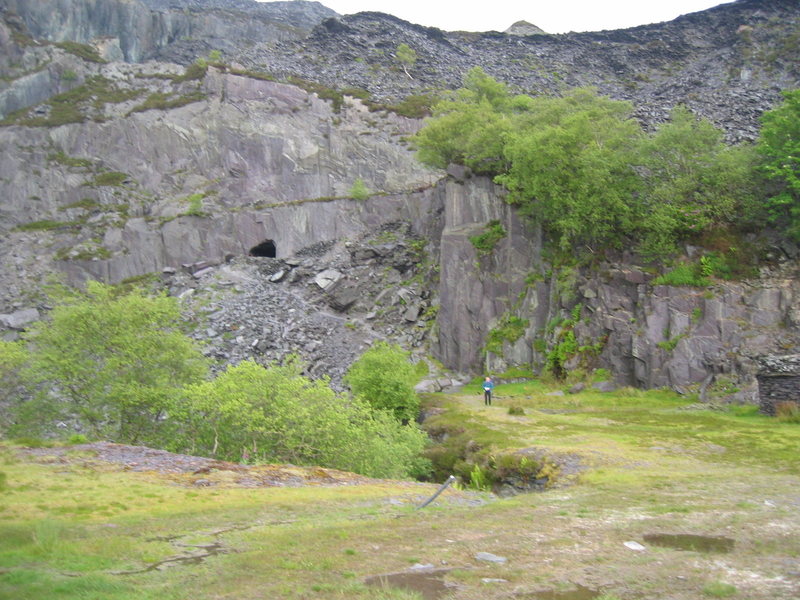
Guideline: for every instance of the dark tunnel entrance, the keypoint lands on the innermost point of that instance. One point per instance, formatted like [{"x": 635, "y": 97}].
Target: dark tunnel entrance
[{"x": 265, "y": 248}]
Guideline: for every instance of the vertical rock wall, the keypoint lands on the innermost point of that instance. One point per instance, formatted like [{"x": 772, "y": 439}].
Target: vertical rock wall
[
  {"x": 701, "y": 339},
  {"x": 476, "y": 290}
]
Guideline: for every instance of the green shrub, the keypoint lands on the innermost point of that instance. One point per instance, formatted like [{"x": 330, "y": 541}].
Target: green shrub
[
  {"x": 479, "y": 480},
  {"x": 195, "y": 205},
  {"x": 384, "y": 377},
  {"x": 359, "y": 191},
  {"x": 686, "y": 274},
  {"x": 195, "y": 71},
  {"x": 516, "y": 411},
  {"x": 77, "y": 438},
  {"x": 583, "y": 168},
  {"x": 278, "y": 415},
  {"x": 509, "y": 329},
  {"x": 114, "y": 362}
]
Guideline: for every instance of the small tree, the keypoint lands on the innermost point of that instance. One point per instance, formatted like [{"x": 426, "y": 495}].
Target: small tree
[
  {"x": 359, "y": 191},
  {"x": 12, "y": 359},
  {"x": 407, "y": 57},
  {"x": 384, "y": 377},
  {"x": 779, "y": 146},
  {"x": 114, "y": 361}
]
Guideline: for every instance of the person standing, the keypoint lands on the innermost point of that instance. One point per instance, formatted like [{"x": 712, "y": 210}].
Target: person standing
[{"x": 488, "y": 386}]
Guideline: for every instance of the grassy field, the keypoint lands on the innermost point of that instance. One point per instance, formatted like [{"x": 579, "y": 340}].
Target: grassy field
[{"x": 75, "y": 527}]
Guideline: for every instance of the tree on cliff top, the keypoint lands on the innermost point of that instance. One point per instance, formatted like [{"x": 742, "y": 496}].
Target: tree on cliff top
[
  {"x": 584, "y": 169},
  {"x": 779, "y": 145}
]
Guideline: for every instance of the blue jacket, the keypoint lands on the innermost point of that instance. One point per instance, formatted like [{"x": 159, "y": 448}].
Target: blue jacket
[{"x": 488, "y": 386}]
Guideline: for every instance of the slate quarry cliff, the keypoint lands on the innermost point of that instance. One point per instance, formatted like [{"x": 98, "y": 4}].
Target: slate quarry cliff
[{"x": 120, "y": 158}]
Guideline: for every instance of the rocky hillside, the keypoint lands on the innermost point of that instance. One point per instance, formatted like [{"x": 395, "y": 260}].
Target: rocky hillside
[{"x": 294, "y": 218}]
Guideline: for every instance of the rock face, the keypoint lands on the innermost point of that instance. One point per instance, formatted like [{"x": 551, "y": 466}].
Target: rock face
[
  {"x": 147, "y": 29},
  {"x": 728, "y": 63},
  {"x": 235, "y": 189},
  {"x": 647, "y": 336}
]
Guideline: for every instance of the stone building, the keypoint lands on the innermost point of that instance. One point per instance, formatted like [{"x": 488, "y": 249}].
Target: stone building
[{"x": 778, "y": 381}]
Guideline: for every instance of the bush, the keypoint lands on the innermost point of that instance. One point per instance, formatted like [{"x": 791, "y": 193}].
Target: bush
[
  {"x": 384, "y": 377},
  {"x": 516, "y": 411},
  {"x": 275, "y": 414}
]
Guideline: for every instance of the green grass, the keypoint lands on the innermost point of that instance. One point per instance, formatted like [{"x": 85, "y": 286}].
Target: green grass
[{"x": 653, "y": 463}]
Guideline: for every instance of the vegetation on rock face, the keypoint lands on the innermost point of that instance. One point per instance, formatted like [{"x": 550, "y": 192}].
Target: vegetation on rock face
[
  {"x": 585, "y": 169},
  {"x": 509, "y": 329},
  {"x": 86, "y": 101},
  {"x": 485, "y": 242},
  {"x": 167, "y": 101},
  {"x": 359, "y": 191},
  {"x": 84, "y": 51}
]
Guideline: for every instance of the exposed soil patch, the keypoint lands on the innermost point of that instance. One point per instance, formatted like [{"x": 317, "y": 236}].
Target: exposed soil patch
[{"x": 192, "y": 470}]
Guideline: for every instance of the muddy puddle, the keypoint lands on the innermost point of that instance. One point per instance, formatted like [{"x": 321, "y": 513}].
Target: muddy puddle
[
  {"x": 688, "y": 541},
  {"x": 429, "y": 583},
  {"x": 579, "y": 593}
]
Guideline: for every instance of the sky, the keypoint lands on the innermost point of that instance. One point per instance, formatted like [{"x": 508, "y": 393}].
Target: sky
[{"x": 553, "y": 16}]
